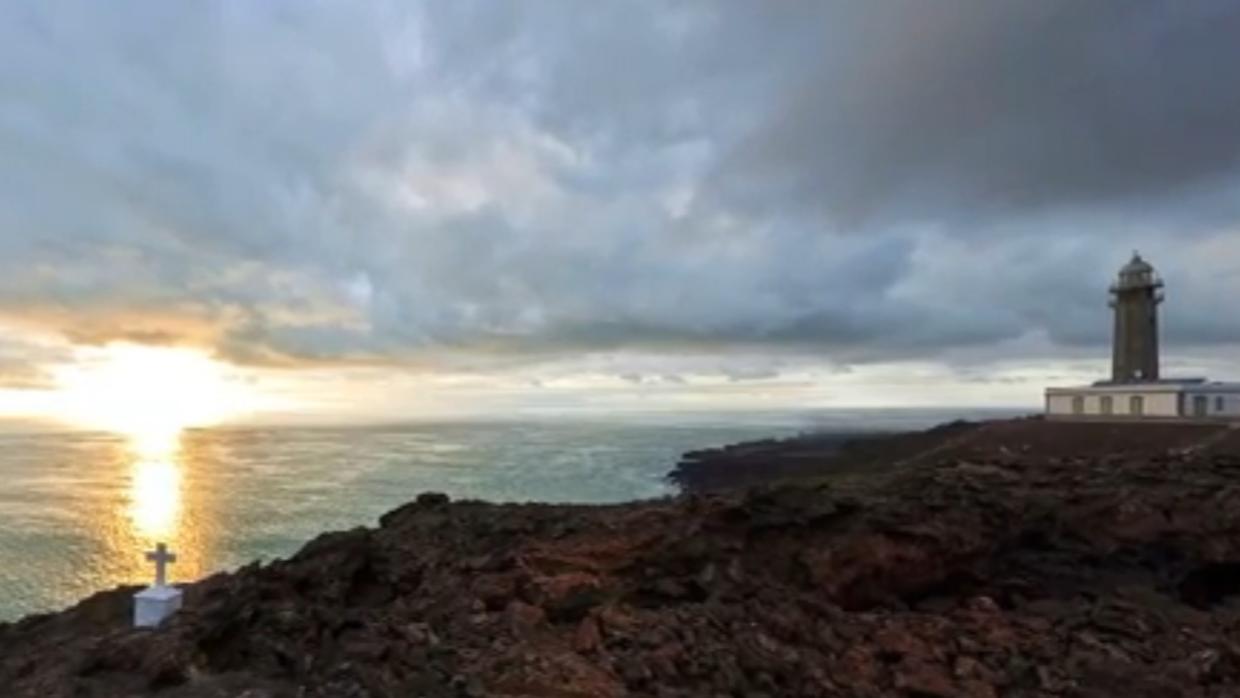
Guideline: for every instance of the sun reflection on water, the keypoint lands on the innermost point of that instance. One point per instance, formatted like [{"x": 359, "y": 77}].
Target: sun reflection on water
[
  {"x": 155, "y": 510},
  {"x": 153, "y": 397},
  {"x": 155, "y": 498}
]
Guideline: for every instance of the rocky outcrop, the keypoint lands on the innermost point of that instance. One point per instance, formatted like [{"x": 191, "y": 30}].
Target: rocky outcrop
[
  {"x": 1005, "y": 566},
  {"x": 829, "y": 455}
]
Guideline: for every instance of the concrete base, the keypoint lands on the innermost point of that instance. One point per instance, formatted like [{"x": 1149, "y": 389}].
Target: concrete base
[{"x": 153, "y": 605}]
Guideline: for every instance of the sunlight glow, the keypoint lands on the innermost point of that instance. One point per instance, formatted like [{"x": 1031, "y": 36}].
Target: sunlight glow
[
  {"x": 149, "y": 394},
  {"x": 155, "y": 498}
]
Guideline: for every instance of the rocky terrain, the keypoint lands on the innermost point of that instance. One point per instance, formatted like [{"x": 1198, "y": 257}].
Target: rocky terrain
[
  {"x": 776, "y": 461},
  {"x": 1020, "y": 558}
]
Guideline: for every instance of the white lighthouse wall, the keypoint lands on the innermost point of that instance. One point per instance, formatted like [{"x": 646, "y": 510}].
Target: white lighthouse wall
[
  {"x": 1160, "y": 404},
  {"x": 1155, "y": 403},
  {"x": 1222, "y": 401},
  {"x": 1059, "y": 404}
]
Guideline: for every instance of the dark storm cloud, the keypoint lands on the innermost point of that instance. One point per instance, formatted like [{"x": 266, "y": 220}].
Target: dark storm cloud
[
  {"x": 952, "y": 109},
  {"x": 297, "y": 182}
]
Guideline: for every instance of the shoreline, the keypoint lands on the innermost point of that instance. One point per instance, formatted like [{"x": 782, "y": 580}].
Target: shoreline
[{"x": 810, "y": 455}]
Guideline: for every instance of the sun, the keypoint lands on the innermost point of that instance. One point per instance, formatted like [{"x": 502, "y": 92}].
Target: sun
[{"x": 149, "y": 394}]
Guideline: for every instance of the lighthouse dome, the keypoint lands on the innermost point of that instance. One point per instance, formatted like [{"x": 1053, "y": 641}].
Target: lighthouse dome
[
  {"x": 1137, "y": 273},
  {"x": 1136, "y": 266}
]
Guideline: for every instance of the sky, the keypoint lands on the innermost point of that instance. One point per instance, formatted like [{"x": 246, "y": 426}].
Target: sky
[{"x": 378, "y": 209}]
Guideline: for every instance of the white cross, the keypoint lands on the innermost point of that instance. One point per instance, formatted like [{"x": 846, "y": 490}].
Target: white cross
[{"x": 161, "y": 557}]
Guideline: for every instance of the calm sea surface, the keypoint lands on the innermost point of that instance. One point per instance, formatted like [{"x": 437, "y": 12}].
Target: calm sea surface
[{"x": 78, "y": 508}]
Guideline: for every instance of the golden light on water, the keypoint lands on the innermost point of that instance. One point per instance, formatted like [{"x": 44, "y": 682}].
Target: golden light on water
[
  {"x": 150, "y": 396},
  {"x": 155, "y": 499},
  {"x": 160, "y": 504},
  {"x": 157, "y": 507}
]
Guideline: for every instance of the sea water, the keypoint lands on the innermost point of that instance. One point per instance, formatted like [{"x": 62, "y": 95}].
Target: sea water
[{"x": 77, "y": 509}]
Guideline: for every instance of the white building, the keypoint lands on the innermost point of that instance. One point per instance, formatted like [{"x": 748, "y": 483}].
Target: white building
[
  {"x": 1135, "y": 390},
  {"x": 1193, "y": 398}
]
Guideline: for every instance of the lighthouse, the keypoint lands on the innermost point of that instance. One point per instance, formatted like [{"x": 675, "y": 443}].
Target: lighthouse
[
  {"x": 1136, "y": 390},
  {"x": 1135, "y": 298}
]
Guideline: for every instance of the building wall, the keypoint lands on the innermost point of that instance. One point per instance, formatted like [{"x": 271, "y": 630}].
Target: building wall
[
  {"x": 1221, "y": 401},
  {"x": 1230, "y": 403},
  {"x": 1155, "y": 403},
  {"x": 1059, "y": 404}
]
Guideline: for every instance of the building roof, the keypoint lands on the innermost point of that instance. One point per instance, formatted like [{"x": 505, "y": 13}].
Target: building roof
[
  {"x": 1160, "y": 381},
  {"x": 1167, "y": 386}
]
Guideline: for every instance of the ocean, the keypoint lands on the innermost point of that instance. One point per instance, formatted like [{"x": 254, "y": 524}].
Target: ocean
[{"x": 77, "y": 509}]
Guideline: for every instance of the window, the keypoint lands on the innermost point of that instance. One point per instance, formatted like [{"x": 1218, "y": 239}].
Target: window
[
  {"x": 1220, "y": 404},
  {"x": 1108, "y": 404},
  {"x": 1136, "y": 405},
  {"x": 1201, "y": 405},
  {"x": 1078, "y": 405}
]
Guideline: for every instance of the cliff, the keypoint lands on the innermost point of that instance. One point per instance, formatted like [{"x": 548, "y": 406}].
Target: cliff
[{"x": 1017, "y": 558}]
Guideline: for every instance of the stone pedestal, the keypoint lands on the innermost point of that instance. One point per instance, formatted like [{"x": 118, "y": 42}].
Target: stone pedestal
[{"x": 154, "y": 604}]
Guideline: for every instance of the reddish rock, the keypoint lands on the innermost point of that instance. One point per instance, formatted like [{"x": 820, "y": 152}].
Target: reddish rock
[
  {"x": 494, "y": 590},
  {"x": 901, "y": 643},
  {"x": 974, "y": 688},
  {"x": 569, "y": 595},
  {"x": 588, "y": 637},
  {"x": 664, "y": 659},
  {"x": 618, "y": 621},
  {"x": 523, "y": 617},
  {"x": 924, "y": 679},
  {"x": 856, "y": 667}
]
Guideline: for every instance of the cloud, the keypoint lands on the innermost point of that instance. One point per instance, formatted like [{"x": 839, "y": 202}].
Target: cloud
[
  {"x": 468, "y": 187},
  {"x": 24, "y": 360},
  {"x": 956, "y": 110}
]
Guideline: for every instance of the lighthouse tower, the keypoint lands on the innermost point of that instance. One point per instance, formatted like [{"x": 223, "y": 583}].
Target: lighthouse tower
[
  {"x": 1135, "y": 298},
  {"x": 1135, "y": 389}
]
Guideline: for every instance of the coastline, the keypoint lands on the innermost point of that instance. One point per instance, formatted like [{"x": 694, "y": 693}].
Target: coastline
[
  {"x": 999, "y": 557},
  {"x": 771, "y": 461}
]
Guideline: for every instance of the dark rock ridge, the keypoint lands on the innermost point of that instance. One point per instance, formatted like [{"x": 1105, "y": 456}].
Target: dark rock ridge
[
  {"x": 777, "y": 460},
  {"x": 1025, "y": 559}
]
